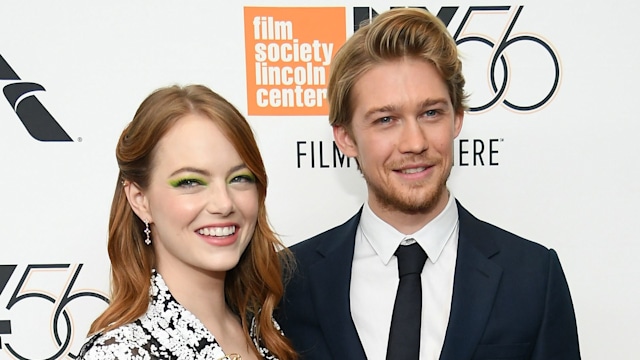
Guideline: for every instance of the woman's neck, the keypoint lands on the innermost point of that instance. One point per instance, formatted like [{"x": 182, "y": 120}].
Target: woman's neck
[{"x": 201, "y": 292}]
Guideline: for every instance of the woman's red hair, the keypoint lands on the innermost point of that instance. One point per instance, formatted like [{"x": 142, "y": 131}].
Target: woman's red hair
[{"x": 254, "y": 287}]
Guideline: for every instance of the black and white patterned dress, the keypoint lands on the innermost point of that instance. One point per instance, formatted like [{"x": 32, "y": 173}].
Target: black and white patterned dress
[{"x": 166, "y": 331}]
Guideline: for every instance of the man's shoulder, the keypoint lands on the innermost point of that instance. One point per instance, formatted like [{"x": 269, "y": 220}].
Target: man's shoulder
[
  {"x": 503, "y": 246},
  {"x": 472, "y": 227},
  {"x": 325, "y": 238},
  {"x": 509, "y": 238}
]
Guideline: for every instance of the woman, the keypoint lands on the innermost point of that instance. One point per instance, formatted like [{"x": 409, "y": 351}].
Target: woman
[{"x": 194, "y": 264}]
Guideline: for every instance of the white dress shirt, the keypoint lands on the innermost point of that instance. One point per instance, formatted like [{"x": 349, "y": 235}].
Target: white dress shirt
[{"x": 374, "y": 280}]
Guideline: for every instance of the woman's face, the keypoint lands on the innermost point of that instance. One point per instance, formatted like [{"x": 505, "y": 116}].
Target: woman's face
[{"x": 202, "y": 200}]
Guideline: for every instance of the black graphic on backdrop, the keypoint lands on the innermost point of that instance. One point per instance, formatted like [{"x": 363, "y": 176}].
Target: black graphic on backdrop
[{"x": 34, "y": 116}]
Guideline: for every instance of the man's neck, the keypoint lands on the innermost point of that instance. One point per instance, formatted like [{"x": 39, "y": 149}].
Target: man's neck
[{"x": 408, "y": 223}]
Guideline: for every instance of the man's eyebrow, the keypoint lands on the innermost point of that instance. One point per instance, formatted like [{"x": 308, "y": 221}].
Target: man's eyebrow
[
  {"x": 431, "y": 102},
  {"x": 391, "y": 108},
  {"x": 385, "y": 108}
]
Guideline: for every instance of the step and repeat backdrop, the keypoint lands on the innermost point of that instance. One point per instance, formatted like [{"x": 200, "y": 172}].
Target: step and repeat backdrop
[{"x": 548, "y": 150}]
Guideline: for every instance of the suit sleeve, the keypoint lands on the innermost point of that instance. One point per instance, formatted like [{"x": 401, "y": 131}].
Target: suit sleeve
[{"x": 558, "y": 335}]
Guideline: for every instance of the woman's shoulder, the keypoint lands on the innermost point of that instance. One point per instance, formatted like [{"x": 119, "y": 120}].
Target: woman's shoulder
[{"x": 129, "y": 341}]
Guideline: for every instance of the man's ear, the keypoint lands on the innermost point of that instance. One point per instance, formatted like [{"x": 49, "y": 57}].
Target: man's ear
[
  {"x": 457, "y": 123},
  {"x": 345, "y": 141},
  {"x": 138, "y": 201}
]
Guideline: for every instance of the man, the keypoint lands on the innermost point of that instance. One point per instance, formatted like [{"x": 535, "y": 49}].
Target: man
[{"x": 396, "y": 105}]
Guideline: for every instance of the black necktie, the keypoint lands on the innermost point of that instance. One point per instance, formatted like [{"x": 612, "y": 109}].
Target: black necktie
[{"x": 404, "y": 336}]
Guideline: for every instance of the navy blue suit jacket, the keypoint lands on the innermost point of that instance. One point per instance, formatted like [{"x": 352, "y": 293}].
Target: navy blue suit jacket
[{"x": 510, "y": 298}]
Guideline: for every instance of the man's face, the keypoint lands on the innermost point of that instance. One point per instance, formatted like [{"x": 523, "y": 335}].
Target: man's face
[{"x": 402, "y": 134}]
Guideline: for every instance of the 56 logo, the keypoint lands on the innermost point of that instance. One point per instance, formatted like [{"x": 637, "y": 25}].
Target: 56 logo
[
  {"x": 40, "y": 309},
  {"x": 518, "y": 70}
]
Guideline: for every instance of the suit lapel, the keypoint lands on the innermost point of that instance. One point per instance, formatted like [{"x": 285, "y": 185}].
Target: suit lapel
[
  {"x": 330, "y": 279},
  {"x": 476, "y": 282}
]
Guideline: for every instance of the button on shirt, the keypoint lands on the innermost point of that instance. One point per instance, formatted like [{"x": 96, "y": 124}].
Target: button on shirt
[{"x": 374, "y": 279}]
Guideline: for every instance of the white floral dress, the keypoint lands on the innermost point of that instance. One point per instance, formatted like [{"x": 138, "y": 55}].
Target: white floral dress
[{"x": 166, "y": 331}]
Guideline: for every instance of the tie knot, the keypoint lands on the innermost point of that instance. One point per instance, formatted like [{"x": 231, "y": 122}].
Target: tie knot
[{"x": 411, "y": 259}]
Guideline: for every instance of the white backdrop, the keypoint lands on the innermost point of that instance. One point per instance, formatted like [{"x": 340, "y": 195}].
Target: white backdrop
[{"x": 564, "y": 174}]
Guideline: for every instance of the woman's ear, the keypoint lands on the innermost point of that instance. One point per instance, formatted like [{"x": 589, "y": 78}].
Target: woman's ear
[{"x": 138, "y": 201}]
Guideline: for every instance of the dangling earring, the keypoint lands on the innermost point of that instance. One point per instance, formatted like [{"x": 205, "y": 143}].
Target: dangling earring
[{"x": 147, "y": 232}]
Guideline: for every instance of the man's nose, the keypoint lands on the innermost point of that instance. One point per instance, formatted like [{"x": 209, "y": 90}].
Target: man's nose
[{"x": 412, "y": 137}]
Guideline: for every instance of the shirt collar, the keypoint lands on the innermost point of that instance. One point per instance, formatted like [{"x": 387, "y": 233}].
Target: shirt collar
[
  {"x": 385, "y": 239},
  {"x": 175, "y": 327}
]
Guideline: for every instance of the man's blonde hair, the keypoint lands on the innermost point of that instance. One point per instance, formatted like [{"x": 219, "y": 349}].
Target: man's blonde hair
[{"x": 392, "y": 35}]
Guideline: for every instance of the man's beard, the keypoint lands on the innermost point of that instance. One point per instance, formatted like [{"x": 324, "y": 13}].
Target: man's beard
[{"x": 409, "y": 202}]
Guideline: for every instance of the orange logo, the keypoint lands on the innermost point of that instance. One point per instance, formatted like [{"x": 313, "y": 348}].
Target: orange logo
[{"x": 288, "y": 55}]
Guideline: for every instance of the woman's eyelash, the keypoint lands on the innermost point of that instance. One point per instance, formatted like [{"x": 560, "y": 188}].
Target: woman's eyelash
[
  {"x": 187, "y": 182},
  {"x": 250, "y": 178}
]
